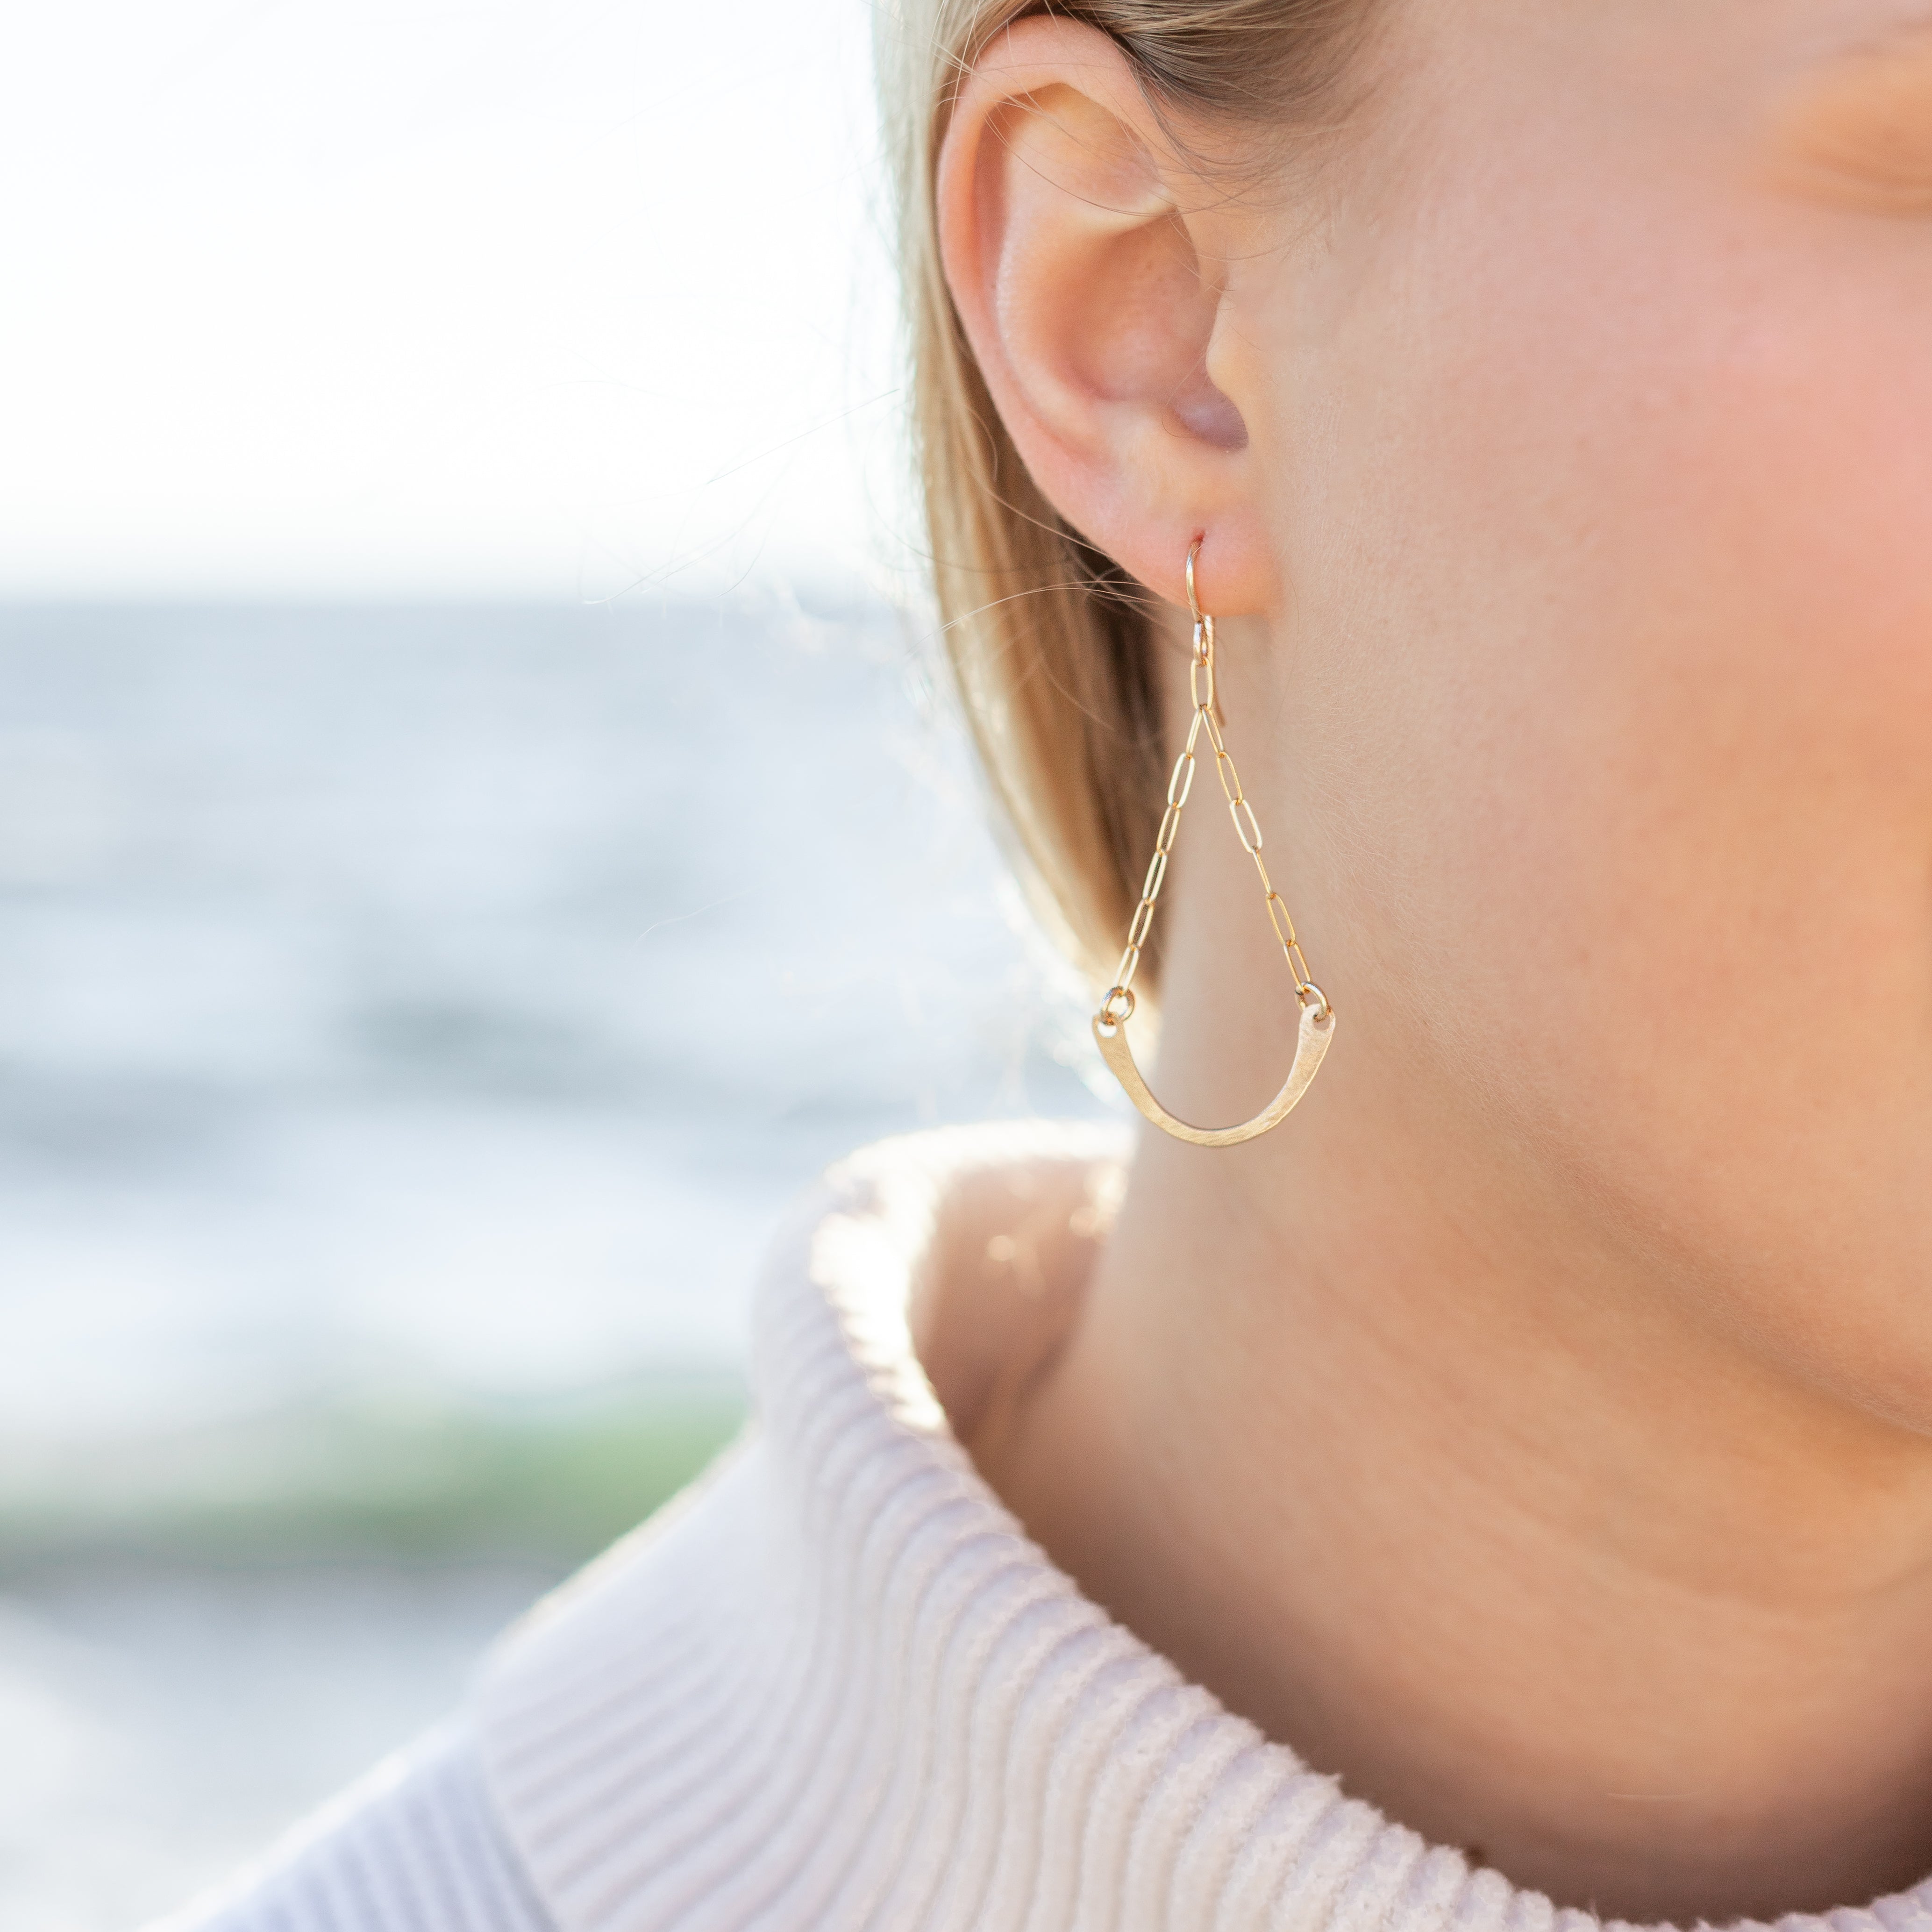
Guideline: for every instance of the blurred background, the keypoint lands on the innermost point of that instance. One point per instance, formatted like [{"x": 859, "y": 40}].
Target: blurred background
[{"x": 477, "y": 833}]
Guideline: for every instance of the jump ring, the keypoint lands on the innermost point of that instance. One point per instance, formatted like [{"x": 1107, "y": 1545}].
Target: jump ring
[
  {"x": 1117, "y": 1008},
  {"x": 1302, "y": 992}
]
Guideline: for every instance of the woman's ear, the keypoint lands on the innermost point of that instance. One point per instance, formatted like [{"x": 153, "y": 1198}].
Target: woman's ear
[{"x": 1091, "y": 293}]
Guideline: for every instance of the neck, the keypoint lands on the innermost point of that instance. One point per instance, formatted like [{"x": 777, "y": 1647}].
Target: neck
[{"x": 1460, "y": 1500}]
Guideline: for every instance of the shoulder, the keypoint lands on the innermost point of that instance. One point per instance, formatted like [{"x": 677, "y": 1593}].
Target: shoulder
[
  {"x": 415, "y": 1846},
  {"x": 440, "y": 1837}
]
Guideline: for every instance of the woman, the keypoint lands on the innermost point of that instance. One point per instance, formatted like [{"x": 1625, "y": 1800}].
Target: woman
[{"x": 1509, "y": 1481}]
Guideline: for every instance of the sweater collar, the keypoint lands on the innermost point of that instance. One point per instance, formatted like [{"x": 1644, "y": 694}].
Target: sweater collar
[{"x": 834, "y": 1684}]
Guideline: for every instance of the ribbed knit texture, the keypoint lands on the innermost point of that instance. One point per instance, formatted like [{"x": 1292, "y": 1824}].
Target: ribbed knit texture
[
  {"x": 834, "y": 1687},
  {"x": 415, "y": 1847}
]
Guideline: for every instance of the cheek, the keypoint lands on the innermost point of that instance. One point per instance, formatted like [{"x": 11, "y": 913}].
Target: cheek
[{"x": 1621, "y": 564}]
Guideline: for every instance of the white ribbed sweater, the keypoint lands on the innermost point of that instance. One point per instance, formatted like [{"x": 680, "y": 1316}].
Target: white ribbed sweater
[{"x": 834, "y": 1686}]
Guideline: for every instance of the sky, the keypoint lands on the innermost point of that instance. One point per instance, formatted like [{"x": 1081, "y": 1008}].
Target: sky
[{"x": 383, "y": 299}]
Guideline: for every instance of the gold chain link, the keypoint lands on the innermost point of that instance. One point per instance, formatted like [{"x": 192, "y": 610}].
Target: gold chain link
[{"x": 1119, "y": 1004}]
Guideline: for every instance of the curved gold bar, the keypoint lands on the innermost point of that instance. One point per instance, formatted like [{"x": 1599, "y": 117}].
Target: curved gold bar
[{"x": 1317, "y": 1029}]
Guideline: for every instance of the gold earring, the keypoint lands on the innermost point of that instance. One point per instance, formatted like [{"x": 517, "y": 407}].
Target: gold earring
[{"x": 1110, "y": 1023}]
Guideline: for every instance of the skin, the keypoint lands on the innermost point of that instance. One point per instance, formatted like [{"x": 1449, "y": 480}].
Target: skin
[{"x": 1536, "y": 1430}]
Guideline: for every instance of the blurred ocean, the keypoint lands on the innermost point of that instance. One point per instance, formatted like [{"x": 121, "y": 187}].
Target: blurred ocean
[{"x": 412, "y": 1023}]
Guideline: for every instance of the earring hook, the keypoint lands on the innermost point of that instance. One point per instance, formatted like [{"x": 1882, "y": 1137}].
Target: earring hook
[{"x": 1193, "y": 551}]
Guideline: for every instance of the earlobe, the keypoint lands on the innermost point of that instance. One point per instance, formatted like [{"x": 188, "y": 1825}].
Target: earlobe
[{"x": 1090, "y": 295}]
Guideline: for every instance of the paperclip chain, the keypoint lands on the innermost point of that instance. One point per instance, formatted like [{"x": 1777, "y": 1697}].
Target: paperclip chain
[{"x": 1119, "y": 1004}]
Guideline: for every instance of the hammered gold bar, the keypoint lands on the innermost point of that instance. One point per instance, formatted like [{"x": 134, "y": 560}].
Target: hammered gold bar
[{"x": 1317, "y": 1030}]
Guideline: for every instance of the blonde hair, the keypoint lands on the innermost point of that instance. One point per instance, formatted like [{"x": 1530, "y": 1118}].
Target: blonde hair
[{"x": 1050, "y": 642}]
